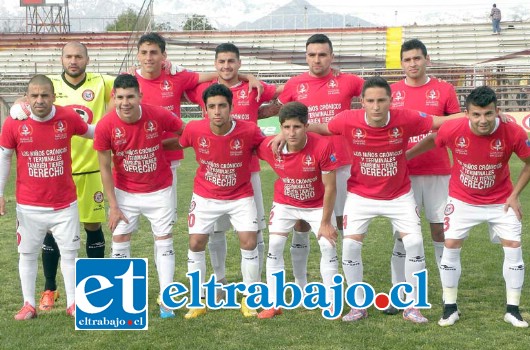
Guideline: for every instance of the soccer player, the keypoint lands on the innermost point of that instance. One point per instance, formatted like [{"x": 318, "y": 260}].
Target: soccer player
[
  {"x": 88, "y": 94},
  {"x": 245, "y": 107},
  {"x": 480, "y": 190},
  {"x": 325, "y": 95},
  {"x": 133, "y": 132},
  {"x": 305, "y": 190},
  {"x": 429, "y": 173},
  {"x": 45, "y": 190},
  {"x": 379, "y": 184},
  {"x": 223, "y": 149}
]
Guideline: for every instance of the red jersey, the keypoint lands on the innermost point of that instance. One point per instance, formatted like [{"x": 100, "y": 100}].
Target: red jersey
[
  {"x": 435, "y": 98},
  {"x": 480, "y": 173},
  {"x": 44, "y": 162},
  {"x": 244, "y": 104},
  {"x": 137, "y": 154},
  {"x": 325, "y": 97},
  {"x": 224, "y": 160},
  {"x": 166, "y": 91},
  {"x": 300, "y": 173},
  {"x": 379, "y": 169}
]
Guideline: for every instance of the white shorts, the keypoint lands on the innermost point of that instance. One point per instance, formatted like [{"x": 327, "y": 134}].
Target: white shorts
[
  {"x": 283, "y": 217},
  {"x": 430, "y": 192},
  {"x": 460, "y": 217},
  {"x": 223, "y": 224},
  {"x": 343, "y": 174},
  {"x": 204, "y": 212},
  {"x": 157, "y": 207},
  {"x": 33, "y": 223},
  {"x": 402, "y": 212}
]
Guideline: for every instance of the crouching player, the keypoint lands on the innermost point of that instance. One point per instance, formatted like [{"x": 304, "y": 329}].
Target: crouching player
[
  {"x": 305, "y": 190},
  {"x": 45, "y": 191},
  {"x": 480, "y": 190}
]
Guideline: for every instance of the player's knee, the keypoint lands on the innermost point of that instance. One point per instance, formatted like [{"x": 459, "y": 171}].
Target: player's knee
[
  {"x": 29, "y": 256},
  {"x": 217, "y": 237},
  {"x": 164, "y": 237},
  {"x": 302, "y": 226},
  {"x": 413, "y": 244},
  {"x": 121, "y": 238},
  {"x": 92, "y": 226},
  {"x": 68, "y": 254}
]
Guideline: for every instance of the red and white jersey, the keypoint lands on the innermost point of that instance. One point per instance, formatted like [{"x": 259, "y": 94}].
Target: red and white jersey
[
  {"x": 299, "y": 182},
  {"x": 244, "y": 104},
  {"x": 224, "y": 160},
  {"x": 166, "y": 91},
  {"x": 44, "y": 162},
  {"x": 379, "y": 168},
  {"x": 325, "y": 97},
  {"x": 435, "y": 98},
  {"x": 480, "y": 173},
  {"x": 137, "y": 154}
]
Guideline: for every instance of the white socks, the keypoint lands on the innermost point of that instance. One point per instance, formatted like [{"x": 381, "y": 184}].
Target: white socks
[
  {"x": 165, "y": 262},
  {"x": 299, "y": 256},
  {"x": 121, "y": 250},
  {"x": 217, "y": 249},
  {"x": 450, "y": 271},
  {"x": 197, "y": 262},
  {"x": 27, "y": 269},
  {"x": 513, "y": 272}
]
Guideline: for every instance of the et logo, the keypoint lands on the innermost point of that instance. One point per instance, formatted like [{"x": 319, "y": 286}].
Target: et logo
[{"x": 111, "y": 294}]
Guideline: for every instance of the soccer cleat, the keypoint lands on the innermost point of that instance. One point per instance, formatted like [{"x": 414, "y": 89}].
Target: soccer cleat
[
  {"x": 355, "y": 315},
  {"x": 246, "y": 311},
  {"x": 48, "y": 299},
  {"x": 390, "y": 310},
  {"x": 450, "y": 315},
  {"x": 414, "y": 315},
  {"x": 71, "y": 310},
  {"x": 26, "y": 313},
  {"x": 514, "y": 317},
  {"x": 165, "y": 312},
  {"x": 270, "y": 313},
  {"x": 194, "y": 313}
]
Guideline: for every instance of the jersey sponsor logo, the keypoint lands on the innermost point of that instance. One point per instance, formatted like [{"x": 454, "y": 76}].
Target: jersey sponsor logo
[
  {"x": 236, "y": 147},
  {"x": 98, "y": 197},
  {"x": 398, "y": 96},
  {"x": 395, "y": 135},
  {"x": 449, "y": 209},
  {"x": 431, "y": 96},
  {"x": 111, "y": 294},
  {"x": 166, "y": 85},
  {"x": 308, "y": 161},
  {"x": 462, "y": 144},
  {"x": 359, "y": 136},
  {"x": 88, "y": 95},
  {"x": 25, "y": 130},
  {"x": 279, "y": 162},
  {"x": 151, "y": 129},
  {"x": 242, "y": 95},
  {"x": 204, "y": 144},
  {"x": 497, "y": 145},
  {"x": 84, "y": 112},
  {"x": 333, "y": 87},
  {"x": 302, "y": 90},
  {"x": 60, "y": 128}
]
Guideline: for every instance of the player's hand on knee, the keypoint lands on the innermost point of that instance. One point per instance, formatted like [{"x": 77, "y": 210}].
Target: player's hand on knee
[
  {"x": 115, "y": 216},
  {"x": 20, "y": 111},
  {"x": 514, "y": 203},
  {"x": 329, "y": 232}
]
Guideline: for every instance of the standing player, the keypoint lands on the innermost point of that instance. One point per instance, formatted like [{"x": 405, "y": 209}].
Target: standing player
[
  {"x": 133, "y": 133},
  {"x": 245, "y": 107},
  {"x": 480, "y": 190},
  {"x": 223, "y": 149},
  {"x": 45, "y": 191},
  {"x": 305, "y": 190},
  {"x": 88, "y": 94},
  {"x": 325, "y": 95},
  {"x": 429, "y": 173},
  {"x": 379, "y": 182}
]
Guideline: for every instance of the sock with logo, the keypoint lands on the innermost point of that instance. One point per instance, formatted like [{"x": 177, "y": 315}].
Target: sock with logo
[
  {"x": 513, "y": 272},
  {"x": 27, "y": 268},
  {"x": 329, "y": 264},
  {"x": 249, "y": 266},
  {"x": 197, "y": 262},
  {"x": 450, "y": 271},
  {"x": 68, "y": 271},
  {"x": 414, "y": 260},
  {"x": 165, "y": 261},
  {"x": 50, "y": 261},
  {"x": 352, "y": 264},
  {"x": 397, "y": 262},
  {"x": 299, "y": 256},
  {"x": 217, "y": 249},
  {"x": 438, "y": 251},
  {"x": 275, "y": 262},
  {"x": 121, "y": 250},
  {"x": 95, "y": 243},
  {"x": 261, "y": 252}
]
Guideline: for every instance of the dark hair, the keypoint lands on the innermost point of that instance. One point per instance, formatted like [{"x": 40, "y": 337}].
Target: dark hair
[
  {"x": 75, "y": 43},
  {"x": 411, "y": 45},
  {"x": 481, "y": 97},
  {"x": 153, "y": 38},
  {"x": 293, "y": 110},
  {"x": 376, "y": 82},
  {"x": 126, "y": 81},
  {"x": 41, "y": 79},
  {"x": 319, "y": 39},
  {"x": 227, "y": 47},
  {"x": 217, "y": 90}
]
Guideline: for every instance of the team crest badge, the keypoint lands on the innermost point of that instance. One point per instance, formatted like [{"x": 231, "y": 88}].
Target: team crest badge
[
  {"x": 59, "y": 127},
  {"x": 166, "y": 85},
  {"x": 88, "y": 95},
  {"x": 309, "y": 160},
  {"x": 192, "y": 206},
  {"x": 449, "y": 209},
  {"x": 302, "y": 89},
  {"x": 25, "y": 130},
  {"x": 395, "y": 133},
  {"x": 119, "y": 133},
  {"x": 497, "y": 145},
  {"x": 98, "y": 197}
]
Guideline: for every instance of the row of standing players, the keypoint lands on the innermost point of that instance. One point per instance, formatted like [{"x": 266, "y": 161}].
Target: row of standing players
[{"x": 379, "y": 179}]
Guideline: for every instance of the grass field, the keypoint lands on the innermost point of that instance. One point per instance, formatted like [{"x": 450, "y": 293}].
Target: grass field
[{"x": 481, "y": 300}]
